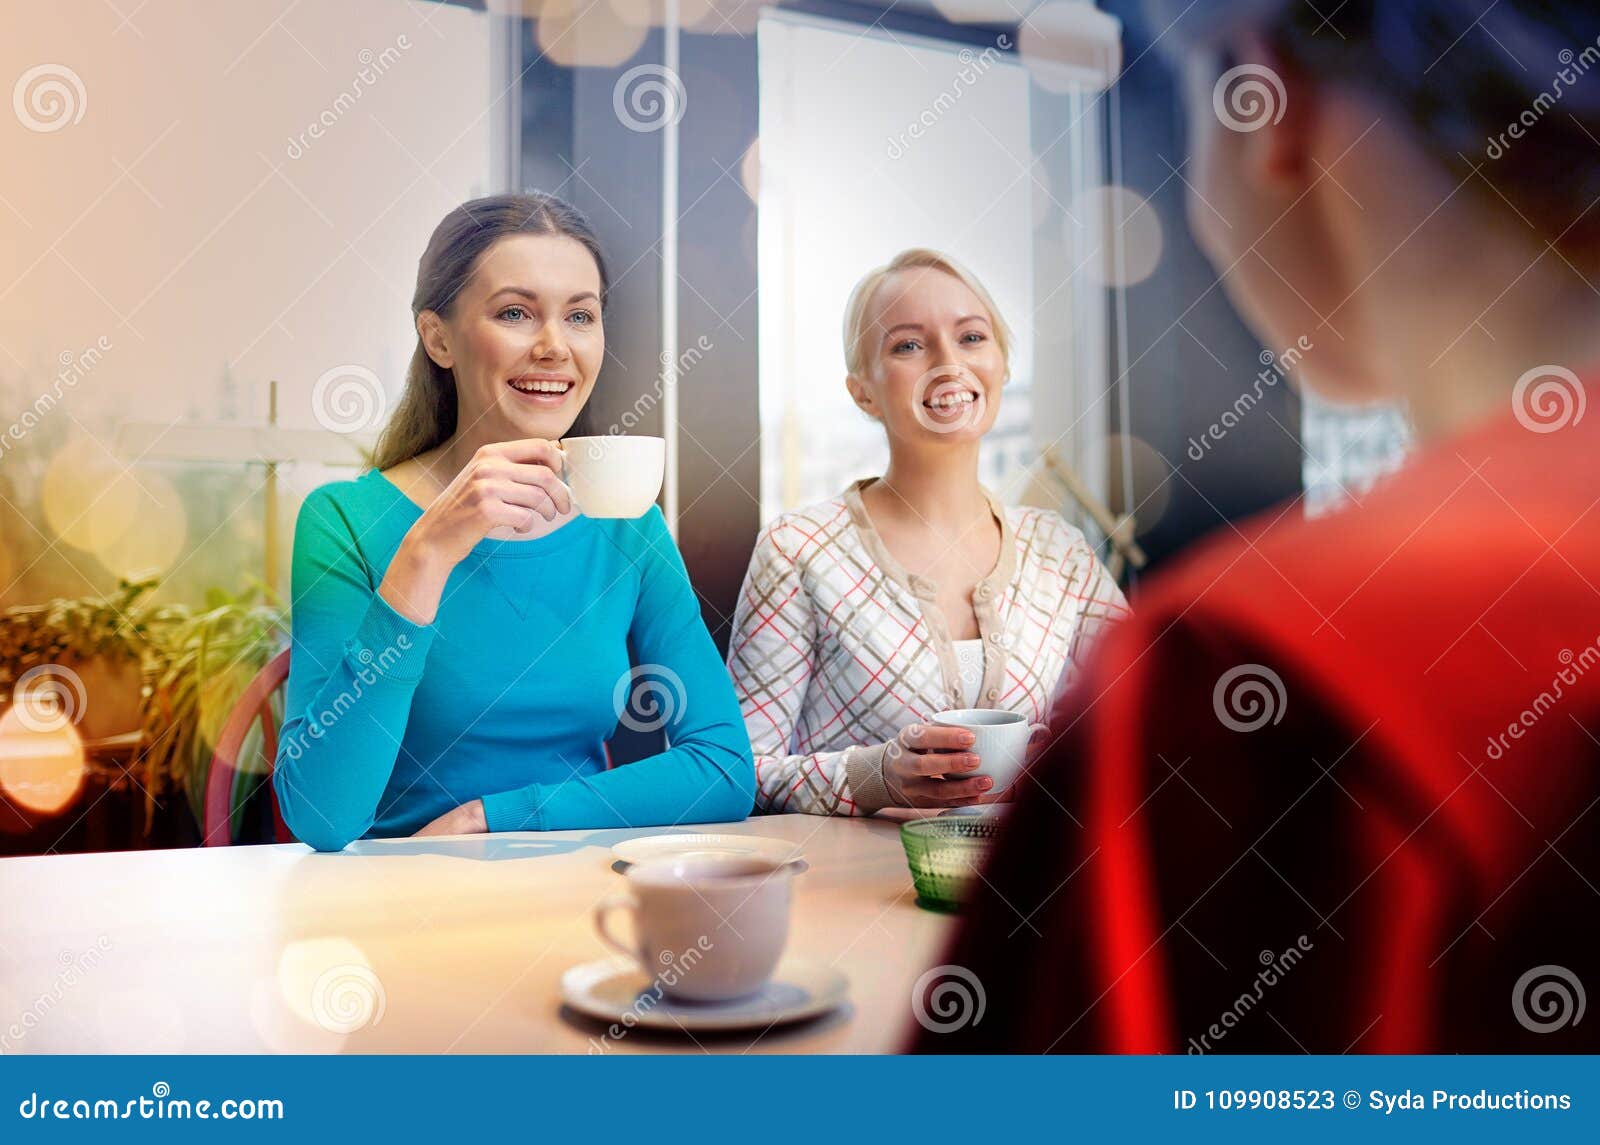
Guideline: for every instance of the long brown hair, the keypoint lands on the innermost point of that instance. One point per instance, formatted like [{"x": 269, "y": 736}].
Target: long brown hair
[{"x": 426, "y": 415}]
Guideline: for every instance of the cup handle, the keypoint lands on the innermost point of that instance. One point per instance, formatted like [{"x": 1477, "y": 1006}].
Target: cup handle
[
  {"x": 564, "y": 476},
  {"x": 602, "y": 913},
  {"x": 1033, "y": 731}
]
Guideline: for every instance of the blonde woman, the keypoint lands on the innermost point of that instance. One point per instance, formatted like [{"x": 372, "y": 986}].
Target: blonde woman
[{"x": 912, "y": 592}]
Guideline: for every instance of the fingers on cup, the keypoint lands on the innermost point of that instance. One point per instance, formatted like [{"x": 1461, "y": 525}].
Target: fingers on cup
[
  {"x": 534, "y": 497},
  {"x": 942, "y": 763},
  {"x": 561, "y": 496},
  {"x": 548, "y": 482},
  {"x": 530, "y": 451},
  {"x": 550, "y": 504},
  {"x": 936, "y": 737}
]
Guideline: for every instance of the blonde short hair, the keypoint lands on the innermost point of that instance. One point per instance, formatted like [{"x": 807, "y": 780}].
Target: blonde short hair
[{"x": 855, "y": 312}]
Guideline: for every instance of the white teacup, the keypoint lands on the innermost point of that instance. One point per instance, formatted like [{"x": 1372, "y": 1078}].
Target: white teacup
[
  {"x": 1000, "y": 741},
  {"x": 707, "y": 929},
  {"x": 614, "y": 476}
]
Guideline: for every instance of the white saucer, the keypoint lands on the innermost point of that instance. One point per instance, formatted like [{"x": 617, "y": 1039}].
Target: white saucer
[
  {"x": 698, "y": 846},
  {"x": 611, "y": 988}
]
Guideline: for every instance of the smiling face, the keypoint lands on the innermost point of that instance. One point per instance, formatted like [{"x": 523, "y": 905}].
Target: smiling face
[
  {"x": 935, "y": 367},
  {"x": 523, "y": 338}
]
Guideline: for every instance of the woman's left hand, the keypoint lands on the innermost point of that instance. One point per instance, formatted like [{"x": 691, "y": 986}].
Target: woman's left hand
[{"x": 468, "y": 819}]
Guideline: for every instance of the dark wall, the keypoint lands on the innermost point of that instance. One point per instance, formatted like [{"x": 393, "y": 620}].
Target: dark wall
[{"x": 719, "y": 409}]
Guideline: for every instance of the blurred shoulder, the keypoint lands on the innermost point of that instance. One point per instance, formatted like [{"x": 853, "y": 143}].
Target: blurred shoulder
[
  {"x": 1463, "y": 519},
  {"x": 799, "y": 536},
  {"x": 352, "y": 502},
  {"x": 1044, "y": 538},
  {"x": 1045, "y": 528}
]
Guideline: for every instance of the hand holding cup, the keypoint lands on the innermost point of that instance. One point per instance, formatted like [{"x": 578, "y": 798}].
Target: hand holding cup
[{"x": 928, "y": 765}]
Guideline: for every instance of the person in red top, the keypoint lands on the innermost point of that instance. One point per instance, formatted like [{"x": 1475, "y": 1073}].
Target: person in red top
[{"x": 1335, "y": 787}]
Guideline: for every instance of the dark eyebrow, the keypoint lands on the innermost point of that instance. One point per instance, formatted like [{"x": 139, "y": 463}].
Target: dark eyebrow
[{"x": 533, "y": 295}]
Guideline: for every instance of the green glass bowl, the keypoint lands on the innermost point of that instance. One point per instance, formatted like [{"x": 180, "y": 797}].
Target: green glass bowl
[{"x": 945, "y": 855}]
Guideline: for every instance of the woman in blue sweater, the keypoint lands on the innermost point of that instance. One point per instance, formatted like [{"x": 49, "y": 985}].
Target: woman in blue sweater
[{"x": 461, "y": 631}]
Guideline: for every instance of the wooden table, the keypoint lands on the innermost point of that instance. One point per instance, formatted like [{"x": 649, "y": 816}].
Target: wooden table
[{"x": 450, "y": 944}]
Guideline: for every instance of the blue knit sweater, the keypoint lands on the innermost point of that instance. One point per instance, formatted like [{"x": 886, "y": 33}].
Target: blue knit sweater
[{"x": 510, "y": 694}]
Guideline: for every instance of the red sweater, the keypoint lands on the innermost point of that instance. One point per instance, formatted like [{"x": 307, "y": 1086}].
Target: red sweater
[{"x": 1334, "y": 787}]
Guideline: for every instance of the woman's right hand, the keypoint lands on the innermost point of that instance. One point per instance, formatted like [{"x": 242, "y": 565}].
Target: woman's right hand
[
  {"x": 925, "y": 766},
  {"x": 509, "y": 484}
]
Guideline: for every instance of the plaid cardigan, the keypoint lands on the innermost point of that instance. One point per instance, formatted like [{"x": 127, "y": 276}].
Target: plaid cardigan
[{"x": 836, "y": 647}]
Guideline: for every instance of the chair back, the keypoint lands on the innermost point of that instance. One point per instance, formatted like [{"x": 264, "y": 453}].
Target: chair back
[{"x": 253, "y": 704}]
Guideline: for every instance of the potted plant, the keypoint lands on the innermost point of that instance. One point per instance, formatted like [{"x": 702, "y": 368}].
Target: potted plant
[
  {"x": 149, "y": 685},
  {"x": 100, "y": 641}
]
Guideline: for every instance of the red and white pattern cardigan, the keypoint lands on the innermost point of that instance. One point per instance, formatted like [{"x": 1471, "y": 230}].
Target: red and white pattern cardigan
[{"x": 836, "y": 647}]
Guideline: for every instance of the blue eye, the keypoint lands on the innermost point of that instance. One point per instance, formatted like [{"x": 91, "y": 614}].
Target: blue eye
[
  {"x": 520, "y": 310},
  {"x": 587, "y": 318},
  {"x": 908, "y": 344},
  {"x": 973, "y": 334}
]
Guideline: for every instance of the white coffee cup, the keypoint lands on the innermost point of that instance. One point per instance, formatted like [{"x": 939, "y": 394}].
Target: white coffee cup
[
  {"x": 1000, "y": 741},
  {"x": 614, "y": 476},
  {"x": 705, "y": 930}
]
